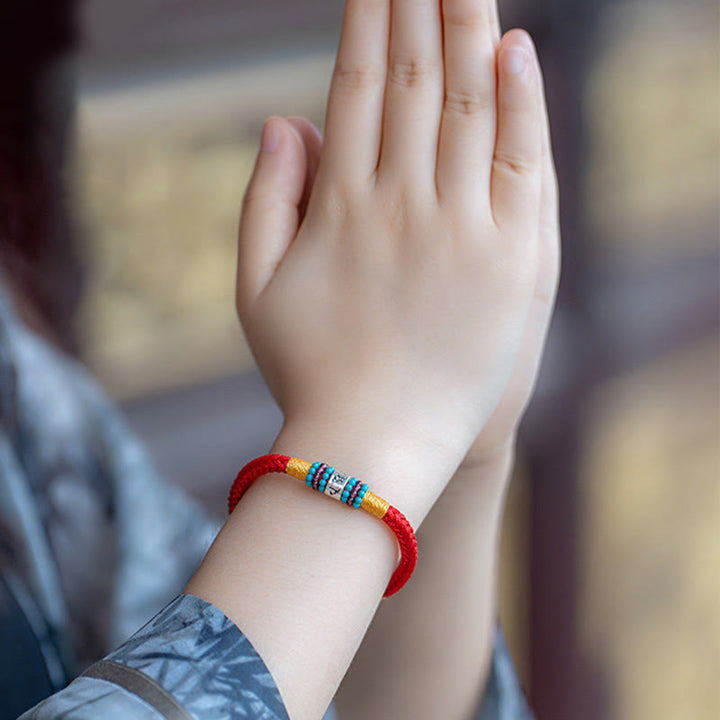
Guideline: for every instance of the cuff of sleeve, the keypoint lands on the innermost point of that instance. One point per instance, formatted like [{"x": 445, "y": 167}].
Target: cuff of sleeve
[{"x": 192, "y": 661}]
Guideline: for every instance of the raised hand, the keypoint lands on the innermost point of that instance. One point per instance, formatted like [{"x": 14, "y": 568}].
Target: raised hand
[
  {"x": 386, "y": 292},
  {"x": 404, "y": 293},
  {"x": 498, "y": 435}
]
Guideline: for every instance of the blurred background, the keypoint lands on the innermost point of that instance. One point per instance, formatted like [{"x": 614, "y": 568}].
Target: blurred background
[{"x": 611, "y": 549}]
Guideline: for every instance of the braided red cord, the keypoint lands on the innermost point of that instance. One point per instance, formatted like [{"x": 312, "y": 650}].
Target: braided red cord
[
  {"x": 399, "y": 524},
  {"x": 394, "y": 519},
  {"x": 251, "y": 472}
]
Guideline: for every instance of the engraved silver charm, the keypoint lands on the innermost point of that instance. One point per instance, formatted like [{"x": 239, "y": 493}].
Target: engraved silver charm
[{"x": 336, "y": 484}]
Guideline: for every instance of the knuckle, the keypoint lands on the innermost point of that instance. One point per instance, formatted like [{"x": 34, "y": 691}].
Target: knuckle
[
  {"x": 465, "y": 15},
  {"x": 466, "y": 102},
  {"x": 356, "y": 78},
  {"x": 254, "y": 196},
  {"x": 522, "y": 109},
  {"x": 411, "y": 72},
  {"x": 513, "y": 164}
]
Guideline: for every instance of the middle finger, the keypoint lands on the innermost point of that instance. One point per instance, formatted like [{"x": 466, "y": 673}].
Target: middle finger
[{"x": 414, "y": 91}]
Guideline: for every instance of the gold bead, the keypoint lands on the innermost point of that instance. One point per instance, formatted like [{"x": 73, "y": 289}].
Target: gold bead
[
  {"x": 298, "y": 468},
  {"x": 375, "y": 505}
]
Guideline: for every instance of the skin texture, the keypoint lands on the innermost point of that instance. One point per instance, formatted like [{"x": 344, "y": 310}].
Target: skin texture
[
  {"x": 458, "y": 540},
  {"x": 395, "y": 290},
  {"x": 427, "y": 652}
]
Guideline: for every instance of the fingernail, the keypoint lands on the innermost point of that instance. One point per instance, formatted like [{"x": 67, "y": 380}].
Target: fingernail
[
  {"x": 514, "y": 60},
  {"x": 271, "y": 137}
]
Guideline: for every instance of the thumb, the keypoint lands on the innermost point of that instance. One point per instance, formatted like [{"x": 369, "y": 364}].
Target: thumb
[{"x": 270, "y": 215}]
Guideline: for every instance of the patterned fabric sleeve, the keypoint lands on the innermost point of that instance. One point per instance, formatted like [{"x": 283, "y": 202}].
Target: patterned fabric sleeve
[
  {"x": 188, "y": 663},
  {"x": 503, "y": 698}
]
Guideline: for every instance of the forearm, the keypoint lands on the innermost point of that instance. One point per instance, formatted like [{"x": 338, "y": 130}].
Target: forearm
[
  {"x": 302, "y": 576},
  {"x": 428, "y": 650}
]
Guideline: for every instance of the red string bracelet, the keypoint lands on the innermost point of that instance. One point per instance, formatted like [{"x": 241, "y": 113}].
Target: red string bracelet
[{"x": 346, "y": 489}]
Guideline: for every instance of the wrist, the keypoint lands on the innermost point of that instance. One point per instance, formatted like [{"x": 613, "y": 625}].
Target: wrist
[
  {"x": 301, "y": 576},
  {"x": 476, "y": 494},
  {"x": 489, "y": 459},
  {"x": 407, "y": 469}
]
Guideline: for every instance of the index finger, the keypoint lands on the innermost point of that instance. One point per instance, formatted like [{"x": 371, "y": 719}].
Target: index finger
[{"x": 353, "y": 123}]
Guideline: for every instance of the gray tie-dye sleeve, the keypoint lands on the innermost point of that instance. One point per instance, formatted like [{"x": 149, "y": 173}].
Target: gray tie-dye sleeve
[
  {"x": 190, "y": 662},
  {"x": 503, "y": 698}
]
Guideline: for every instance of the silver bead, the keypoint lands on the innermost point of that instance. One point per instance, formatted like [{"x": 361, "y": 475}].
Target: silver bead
[{"x": 336, "y": 483}]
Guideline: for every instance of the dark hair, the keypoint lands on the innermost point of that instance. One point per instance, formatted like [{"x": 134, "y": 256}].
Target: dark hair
[{"x": 37, "y": 251}]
